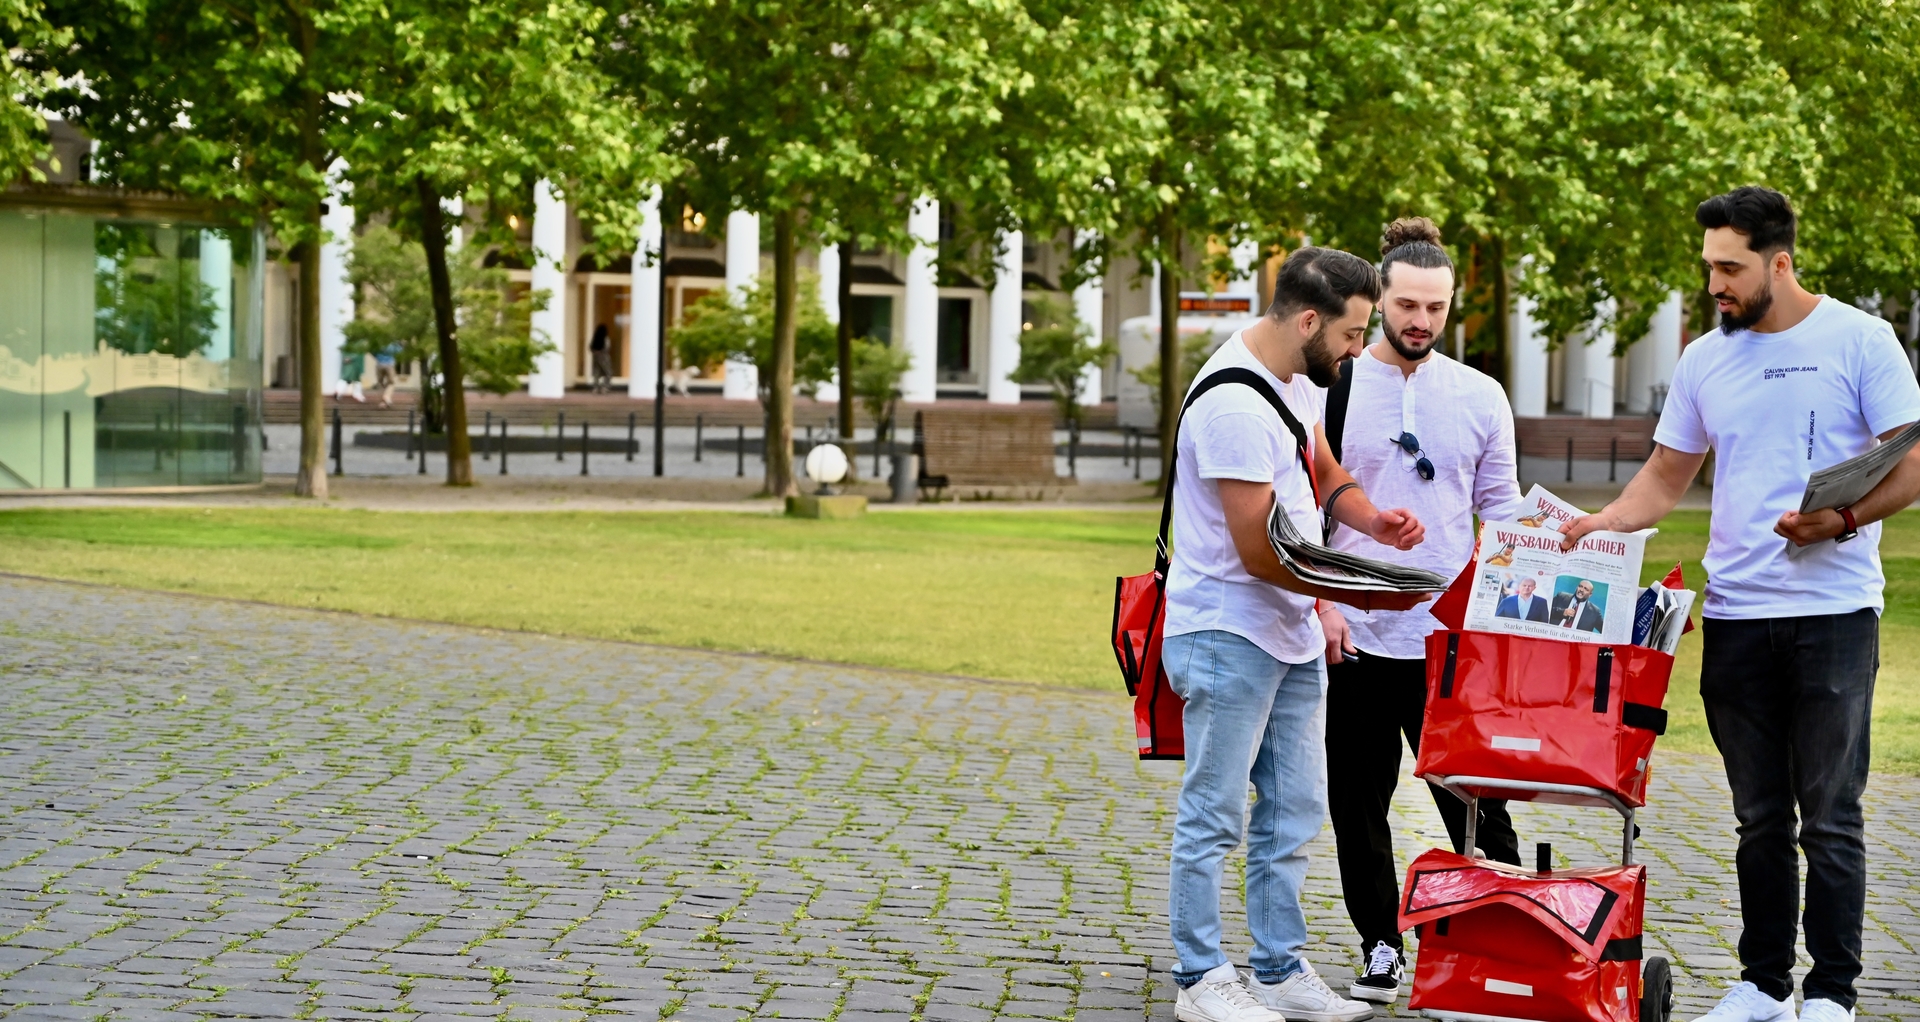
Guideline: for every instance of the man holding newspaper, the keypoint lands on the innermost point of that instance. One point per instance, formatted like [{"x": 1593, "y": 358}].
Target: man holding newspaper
[
  {"x": 1243, "y": 647},
  {"x": 1791, "y": 382}
]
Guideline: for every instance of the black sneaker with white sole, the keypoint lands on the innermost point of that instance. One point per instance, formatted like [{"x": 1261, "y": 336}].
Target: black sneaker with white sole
[{"x": 1379, "y": 980}]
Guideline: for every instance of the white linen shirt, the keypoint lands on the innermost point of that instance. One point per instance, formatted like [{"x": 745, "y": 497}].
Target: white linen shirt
[
  {"x": 1232, "y": 433},
  {"x": 1465, "y": 427}
]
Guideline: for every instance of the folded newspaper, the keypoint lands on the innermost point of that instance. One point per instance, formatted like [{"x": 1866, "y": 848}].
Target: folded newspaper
[
  {"x": 1338, "y": 569},
  {"x": 1837, "y": 486},
  {"x": 1525, "y": 585}
]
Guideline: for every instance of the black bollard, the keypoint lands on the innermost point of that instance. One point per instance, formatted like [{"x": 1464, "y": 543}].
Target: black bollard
[
  {"x": 740, "y": 452},
  {"x": 486, "y": 439},
  {"x": 338, "y": 468},
  {"x": 1569, "y": 459},
  {"x": 560, "y": 439},
  {"x": 1613, "y": 455},
  {"x": 583, "y": 448},
  {"x": 699, "y": 427},
  {"x": 420, "y": 468},
  {"x": 503, "y": 445},
  {"x": 336, "y": 414},
  {"x": 1073, "y": 449},
  {"x": 633, "y": 422}
]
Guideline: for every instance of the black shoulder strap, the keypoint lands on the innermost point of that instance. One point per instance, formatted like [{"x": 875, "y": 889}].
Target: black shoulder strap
[
  {"x": 1170, "y": 447},
  {"x": 1337, "y": 396}
]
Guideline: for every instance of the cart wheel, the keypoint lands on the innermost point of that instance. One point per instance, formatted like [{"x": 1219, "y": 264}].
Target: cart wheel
[{"x": 1656, "y": 991}]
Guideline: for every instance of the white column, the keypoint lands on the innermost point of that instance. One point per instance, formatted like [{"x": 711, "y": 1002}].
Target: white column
[
  {"x": 216, "y": 273},
  {"x": 742, "y": 380},
  {"x": 1003, "y": 321},
  {"x": 1089, "y": 305},
  {"x": 921, "y": 336},
  {"x": 643, "y": 322},
  {"x": 1246, "y": 274},
  {"x": 830, "y": 281},
  {"x": 1651, "y": 360},
  {"x": 549, "y": 376},
  {"x": 336, "y": 294},
  {"x": 455, "y": 210},
  {"x": 1590, "y": 363},
  {"x": 1526, "y": 361}
]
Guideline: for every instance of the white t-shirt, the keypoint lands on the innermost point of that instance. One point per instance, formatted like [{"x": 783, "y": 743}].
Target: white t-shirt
[
  {"x": 1774, "y": 408},
  {"x": 1232, "y": 433},
  {"x": 1465, "y": 428}
]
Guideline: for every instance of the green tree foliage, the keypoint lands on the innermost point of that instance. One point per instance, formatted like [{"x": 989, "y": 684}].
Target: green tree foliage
[
  {"x": 481, "y": 100},
  {"x": 877, "y": 368},
  {"x": 240, "y": 102},
  {"x": 23, "y": 131},
  {"x": 826, "y": 117},
  {"x": 395, "y": 318},
  {"x": 724, "y": 325},
  {"x": 1056, "y": 351}
]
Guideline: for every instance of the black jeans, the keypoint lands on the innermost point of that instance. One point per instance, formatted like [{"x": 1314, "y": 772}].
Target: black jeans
[
  {"x": 1371, "y": 702},
  {"x": 1790, "y": 703}
]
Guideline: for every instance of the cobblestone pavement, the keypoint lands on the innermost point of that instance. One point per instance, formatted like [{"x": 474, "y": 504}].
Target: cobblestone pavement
[{"x": 219, "y": 809}]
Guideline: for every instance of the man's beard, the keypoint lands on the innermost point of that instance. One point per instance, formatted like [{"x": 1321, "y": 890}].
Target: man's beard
[
  {"x": 1400, "y": 345},
  {"x": 1751, "y": 311},
  {"x": 1323, "y": 366}
]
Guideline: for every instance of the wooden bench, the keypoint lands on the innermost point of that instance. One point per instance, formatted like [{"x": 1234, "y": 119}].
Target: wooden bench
[{"x": 995, "y": 445}]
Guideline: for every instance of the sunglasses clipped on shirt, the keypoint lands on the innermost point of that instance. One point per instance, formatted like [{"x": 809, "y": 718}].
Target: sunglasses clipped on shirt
[{"x": 1411, "y": 444}]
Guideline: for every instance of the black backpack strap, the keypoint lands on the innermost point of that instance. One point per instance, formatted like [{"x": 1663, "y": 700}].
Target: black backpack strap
[
  {"x": 1171, "y": 446},
  {"x": 1337, "y": 396}
]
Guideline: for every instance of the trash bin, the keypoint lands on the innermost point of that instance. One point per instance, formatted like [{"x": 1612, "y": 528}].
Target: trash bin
[{"x": 906, "y": 476}]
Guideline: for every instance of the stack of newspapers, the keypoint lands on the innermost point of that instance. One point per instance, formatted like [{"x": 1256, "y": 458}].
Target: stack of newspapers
[
  {"x": 1337, "y": 569},
  {"x": 1660, "y": 617}
]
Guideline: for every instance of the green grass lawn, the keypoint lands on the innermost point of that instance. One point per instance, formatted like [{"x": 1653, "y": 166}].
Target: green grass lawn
[{"x": 1016, "y": 595}]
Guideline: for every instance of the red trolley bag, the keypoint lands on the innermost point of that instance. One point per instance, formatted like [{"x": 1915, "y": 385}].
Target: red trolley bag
[
  {"x": 1502, "y": 942},
  {"x": 1140, "y": 601},
  {"x": 1544, "y": 711}
]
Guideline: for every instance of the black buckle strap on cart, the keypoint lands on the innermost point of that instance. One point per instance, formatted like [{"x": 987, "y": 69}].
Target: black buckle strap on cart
[{"x": 1453, "y": 662}]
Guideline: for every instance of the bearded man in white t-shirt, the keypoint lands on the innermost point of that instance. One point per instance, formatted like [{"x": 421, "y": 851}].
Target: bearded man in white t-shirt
[
  {"x": 1243, "y": 646},
  {"x": 1790, "y": 383}
]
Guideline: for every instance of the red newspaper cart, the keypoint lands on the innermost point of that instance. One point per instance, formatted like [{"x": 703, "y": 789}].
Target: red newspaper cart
[{"x": 1542, "y": 720}]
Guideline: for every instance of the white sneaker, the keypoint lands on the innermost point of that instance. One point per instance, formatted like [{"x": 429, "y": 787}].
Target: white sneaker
[
  {"x": 1220, "y": 997},
  {"x": 1380, "y": 975},
  {"x": 1820, "y": 1009},
  {"x": 1745, "y": 1003},
  {"x": 1305, "y": 997}
]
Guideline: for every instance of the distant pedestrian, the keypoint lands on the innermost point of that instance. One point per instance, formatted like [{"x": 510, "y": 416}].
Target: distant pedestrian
[
  {"x": 602, "y": 360},
  {"x": 385, "y": 361},
  {"x": 352, "y": 368}
]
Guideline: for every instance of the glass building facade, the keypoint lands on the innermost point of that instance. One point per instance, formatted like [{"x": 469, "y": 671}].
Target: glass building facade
[{"x": 130, "y": 344}]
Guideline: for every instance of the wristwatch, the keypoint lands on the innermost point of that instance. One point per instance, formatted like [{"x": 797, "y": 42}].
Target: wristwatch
[{"x": 1853, "y": 528}]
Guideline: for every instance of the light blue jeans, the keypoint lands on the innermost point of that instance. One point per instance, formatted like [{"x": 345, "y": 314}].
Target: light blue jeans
[{"x": 1248, "y": 717}]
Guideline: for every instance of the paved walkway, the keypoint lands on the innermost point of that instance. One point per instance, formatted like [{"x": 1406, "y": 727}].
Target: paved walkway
[{"x": 219, "y": 809}]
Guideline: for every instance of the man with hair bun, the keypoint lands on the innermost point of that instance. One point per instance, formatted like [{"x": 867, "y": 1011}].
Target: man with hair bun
[
  {"x": 1422, "y": 431},
  {"x": 1790, "y": 383}
]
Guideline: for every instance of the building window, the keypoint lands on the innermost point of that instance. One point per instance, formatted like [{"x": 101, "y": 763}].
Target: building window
[
  {"x": 954, "y": 358},
  {"x": 873, "y": 317}
]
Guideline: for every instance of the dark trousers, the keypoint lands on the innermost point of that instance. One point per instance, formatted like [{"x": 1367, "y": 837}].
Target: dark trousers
[
  {"x": 1789, "y": 701},
  {"x": 1371, "y": 702}
]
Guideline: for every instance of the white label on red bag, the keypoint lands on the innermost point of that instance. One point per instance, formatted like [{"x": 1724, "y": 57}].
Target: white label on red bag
[
  {"x": 1501, "y": 986},
  {"x": 1516, "y": 744}
]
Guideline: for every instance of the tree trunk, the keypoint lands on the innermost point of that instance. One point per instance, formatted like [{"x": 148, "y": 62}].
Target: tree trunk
[
  {"x": 779, "y": 440},
  {"x": 312, "y": 479},
  {"x": 1502, "y": 313},
  {"x": 1170, "y": 389},
  {"x": 845, "y": 300},
  {"x": 453, "y": 388}
]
